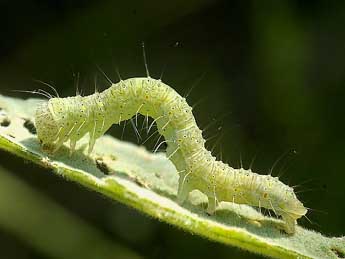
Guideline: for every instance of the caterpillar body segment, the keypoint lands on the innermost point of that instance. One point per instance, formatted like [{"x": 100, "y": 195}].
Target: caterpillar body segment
[{"x": 68, "y": 119}]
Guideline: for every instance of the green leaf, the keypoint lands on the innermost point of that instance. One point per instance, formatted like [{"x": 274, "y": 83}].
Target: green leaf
[{"x": 148, "y": 182}]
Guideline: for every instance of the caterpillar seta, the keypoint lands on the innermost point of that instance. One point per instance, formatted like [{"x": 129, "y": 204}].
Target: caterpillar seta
[{"x": 68, "y": 119}]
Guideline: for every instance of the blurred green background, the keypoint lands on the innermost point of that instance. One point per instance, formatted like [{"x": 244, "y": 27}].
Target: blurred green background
[{"x": 268, "y": 75}]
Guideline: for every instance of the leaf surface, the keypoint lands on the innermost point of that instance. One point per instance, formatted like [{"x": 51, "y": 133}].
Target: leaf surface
[{"x": 148, "y": 182}]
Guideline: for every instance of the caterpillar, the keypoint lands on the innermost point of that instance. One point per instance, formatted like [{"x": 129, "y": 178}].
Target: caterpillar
[{"x": 68, "y": 119}]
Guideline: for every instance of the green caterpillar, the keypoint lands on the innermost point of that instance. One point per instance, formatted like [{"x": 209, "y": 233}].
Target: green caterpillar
[{"x": 68, "y": 119}]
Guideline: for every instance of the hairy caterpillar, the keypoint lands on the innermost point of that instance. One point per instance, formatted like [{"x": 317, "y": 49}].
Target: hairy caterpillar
[{"x": 68, "y": 119}]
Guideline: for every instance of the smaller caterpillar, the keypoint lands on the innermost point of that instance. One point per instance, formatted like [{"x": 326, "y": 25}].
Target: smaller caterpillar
[{"x": 68, "y": 119}]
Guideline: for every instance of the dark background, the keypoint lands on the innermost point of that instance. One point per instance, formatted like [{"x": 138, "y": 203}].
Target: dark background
[{"x": 269, "y": 74}]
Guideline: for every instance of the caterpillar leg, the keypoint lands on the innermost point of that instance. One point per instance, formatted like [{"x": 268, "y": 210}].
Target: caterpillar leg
[
  {"x": 58, "y": 144},
  {"x": 183, "y": 189},
  {"x": 212, "y": 204},
  {"x": 72, "y": 145},
  {"x": 93, "y": 137},
  {"x": 290, "y": 225},
  {"x": 91, "y": 144}
]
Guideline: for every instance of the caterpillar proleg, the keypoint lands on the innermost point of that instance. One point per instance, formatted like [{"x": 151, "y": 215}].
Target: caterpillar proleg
[{"x": 68, "y": 119}]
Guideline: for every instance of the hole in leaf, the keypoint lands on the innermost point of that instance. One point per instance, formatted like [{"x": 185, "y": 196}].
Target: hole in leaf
[
  {"x": 5, "y": 122},
  {"x": 30, "y": 126},
  {"x": 338, "y": 253},
  {"x": 101, "y": 165}
]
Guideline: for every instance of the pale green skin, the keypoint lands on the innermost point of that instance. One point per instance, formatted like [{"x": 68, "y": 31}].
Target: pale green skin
[{"x": 63, "y": 119}]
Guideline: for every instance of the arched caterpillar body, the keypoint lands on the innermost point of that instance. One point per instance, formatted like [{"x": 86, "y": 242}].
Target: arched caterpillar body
[{"x": 63, "y": 119}]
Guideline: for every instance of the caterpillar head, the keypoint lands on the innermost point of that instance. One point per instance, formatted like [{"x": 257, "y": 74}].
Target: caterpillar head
[
  {"x": 293, "y": 206},
  {"x": 47, "y": 128}
]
